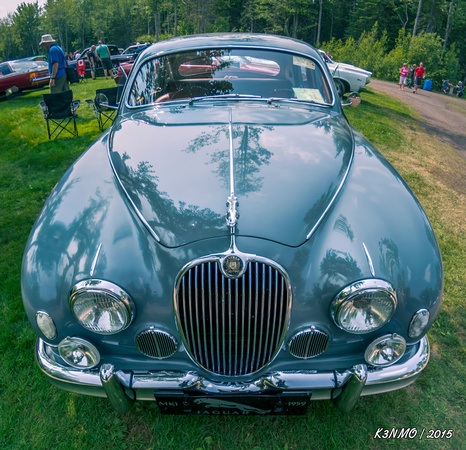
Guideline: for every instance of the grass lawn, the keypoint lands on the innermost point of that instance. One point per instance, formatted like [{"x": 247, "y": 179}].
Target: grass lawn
[{"x": 36, "y": 415}]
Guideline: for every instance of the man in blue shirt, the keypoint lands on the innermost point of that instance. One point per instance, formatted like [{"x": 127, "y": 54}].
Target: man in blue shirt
[{"x": 57, "y": 65}]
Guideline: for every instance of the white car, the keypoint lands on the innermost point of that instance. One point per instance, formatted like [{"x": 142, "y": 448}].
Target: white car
[{"x": 348, "y": 78}]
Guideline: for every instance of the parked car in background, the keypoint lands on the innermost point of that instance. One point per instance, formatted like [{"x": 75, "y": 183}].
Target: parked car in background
[
  {"x": 348, "y": 78},
  {"x": 131, "y": 52},
  {"x": 36, "y": 58},
  {"x": 23, "y": 74},
  {"x": 230, "y": 244},
  {"x": 123, "y": 72}
]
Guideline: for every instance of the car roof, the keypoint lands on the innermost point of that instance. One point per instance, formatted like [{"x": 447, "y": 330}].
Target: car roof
[{"x": 230, "y": 40}]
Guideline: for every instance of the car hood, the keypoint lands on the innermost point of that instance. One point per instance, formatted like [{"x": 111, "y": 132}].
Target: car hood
[
  {"x": 352, "y": 68},
  {"x": 289, "y": 163}
]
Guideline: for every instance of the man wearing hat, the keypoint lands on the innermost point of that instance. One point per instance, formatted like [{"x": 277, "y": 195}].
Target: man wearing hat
[{"x": 57, "y": 65}]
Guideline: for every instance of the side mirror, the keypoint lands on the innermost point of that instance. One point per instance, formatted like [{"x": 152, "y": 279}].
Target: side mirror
[
  {"x": 103, "y": 102},
  {"x": 353, "y": 100}
]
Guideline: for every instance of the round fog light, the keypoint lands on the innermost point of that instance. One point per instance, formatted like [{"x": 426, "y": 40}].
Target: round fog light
[
  {"x": 418, "y": 323},
  {"x": 385, "y": 350},
  {"x": 79, "y": 353}
]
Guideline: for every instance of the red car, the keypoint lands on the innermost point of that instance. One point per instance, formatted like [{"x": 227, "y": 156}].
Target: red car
[
  {"x": 123, "y": 71},
  {"x": 23, "y": 74}
]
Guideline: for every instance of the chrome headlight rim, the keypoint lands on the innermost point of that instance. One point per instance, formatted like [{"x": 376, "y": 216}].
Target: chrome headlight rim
[
  {"x": 86, "y": 354},
  {"x": 391, "y": 341},
  {"x": 358, "y": 288},
  {"x": 107, "y": 288}
]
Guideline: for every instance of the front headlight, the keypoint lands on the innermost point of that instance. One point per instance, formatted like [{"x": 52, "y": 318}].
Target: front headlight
[
  {"x": 101, "y": 306},
  {"x": 364, "y": 306}
]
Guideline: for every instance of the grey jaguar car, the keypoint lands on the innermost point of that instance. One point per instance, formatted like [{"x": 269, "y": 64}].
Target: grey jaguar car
[{"x": 230, "y": 244}]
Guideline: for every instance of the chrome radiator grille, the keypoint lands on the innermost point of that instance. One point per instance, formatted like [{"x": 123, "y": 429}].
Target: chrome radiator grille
[{"x": 233, "y": 326}]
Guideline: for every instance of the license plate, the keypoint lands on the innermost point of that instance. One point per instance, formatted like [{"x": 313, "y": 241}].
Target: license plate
[{"x": 275, "y": 404}]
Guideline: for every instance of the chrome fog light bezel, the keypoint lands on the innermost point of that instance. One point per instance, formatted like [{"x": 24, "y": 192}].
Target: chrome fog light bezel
[
  {"x": 418, "y": 323},
  {"x": 79, "y": 353},
  {"x": 46, "y": 325},
  {"x": 368, "y": 293},
  {"x": 392, "y": 343},
  {"x": 117, "y": 297}
]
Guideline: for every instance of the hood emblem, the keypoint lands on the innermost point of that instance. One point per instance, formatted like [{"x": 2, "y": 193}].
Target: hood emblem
[{"x": 232, "y": 214}]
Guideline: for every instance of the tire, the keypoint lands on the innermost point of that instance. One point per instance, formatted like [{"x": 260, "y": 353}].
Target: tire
[{"x": 340, "y": 88}]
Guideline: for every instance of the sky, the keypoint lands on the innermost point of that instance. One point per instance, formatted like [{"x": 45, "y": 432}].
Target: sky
[{"x": 9, "y": 6}]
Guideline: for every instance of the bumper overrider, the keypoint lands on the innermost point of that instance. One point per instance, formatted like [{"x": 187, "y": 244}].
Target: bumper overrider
[{"x": 178, "y": 392}]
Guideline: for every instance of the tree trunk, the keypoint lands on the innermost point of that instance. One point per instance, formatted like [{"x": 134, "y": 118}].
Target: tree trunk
[
  {"x": 450, "y": 16},
  {"x": 417, "y": 17},
  {"x": 176, "y": 18},
  {"x": 295, "y": 25},
  {"x": 156, "y": 21},
  {"x": 319, "y": 23}
]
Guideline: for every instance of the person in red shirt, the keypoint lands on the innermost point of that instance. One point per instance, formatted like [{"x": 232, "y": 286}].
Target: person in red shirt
[{"x": 419, "y": 73}]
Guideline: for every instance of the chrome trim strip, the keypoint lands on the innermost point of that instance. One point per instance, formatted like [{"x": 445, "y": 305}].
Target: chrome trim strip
[
  {"x": 232, "y": 202},
  {"x": 369, "y": 260},
  {"x": 330, "y": 203},
  {"x": 232, "y": 154},
  {"x": 94, "y": 261}
]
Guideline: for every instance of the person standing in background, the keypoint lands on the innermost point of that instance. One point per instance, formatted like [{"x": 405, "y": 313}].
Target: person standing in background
[
  {"x": 411, "y": 76},
  {"x": 103, "y": 54},
  {"x": 92, "y": 61},
  {"x": 57, "y": 65},
  {"x": 420, "y": 73}
]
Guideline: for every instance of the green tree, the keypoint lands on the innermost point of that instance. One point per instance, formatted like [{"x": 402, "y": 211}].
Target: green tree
[{"x": 26, "y": 21}]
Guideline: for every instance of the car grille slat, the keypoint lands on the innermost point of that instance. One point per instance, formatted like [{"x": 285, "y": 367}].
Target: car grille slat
[
  {"x": 231, "y": 326},
  {"x": 309, "y": 343}
]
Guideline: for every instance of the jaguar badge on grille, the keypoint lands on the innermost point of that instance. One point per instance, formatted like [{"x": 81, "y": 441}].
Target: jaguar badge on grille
[{"x": 232, "y": 265}]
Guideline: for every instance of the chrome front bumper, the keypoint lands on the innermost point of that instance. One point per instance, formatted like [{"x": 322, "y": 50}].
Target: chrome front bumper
[{"x": 122, "y": 388}]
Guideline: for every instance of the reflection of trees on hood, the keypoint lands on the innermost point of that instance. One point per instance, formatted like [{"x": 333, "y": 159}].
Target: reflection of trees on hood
[
  {"x": 58, "y": 245},
  {"x": 390, "y": 259},
  {"x": 339, "y": 268},
  {"x": 158, "y": 208},
  {"x": 249, "y": 155}
]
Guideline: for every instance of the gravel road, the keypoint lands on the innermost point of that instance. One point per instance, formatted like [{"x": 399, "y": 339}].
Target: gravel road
[{"x": 443, "y": 115}]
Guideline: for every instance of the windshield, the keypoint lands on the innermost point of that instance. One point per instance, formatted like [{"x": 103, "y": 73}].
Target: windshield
[{"x": 229, "y": 72}]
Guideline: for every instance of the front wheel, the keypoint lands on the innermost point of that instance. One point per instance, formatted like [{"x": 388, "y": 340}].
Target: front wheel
[{"x": 340, "y": 88}]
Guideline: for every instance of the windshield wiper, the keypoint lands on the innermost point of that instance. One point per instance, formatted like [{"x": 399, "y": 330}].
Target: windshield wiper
[
  {"x": 294, "y": 100},
  {"x": 225, "y": 96}
]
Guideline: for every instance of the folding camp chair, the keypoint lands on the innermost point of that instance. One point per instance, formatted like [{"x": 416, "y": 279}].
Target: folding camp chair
[
  {"x": 60, "y": 113},
  {"x": 81, "y": 65},
  {"x": 105, "y": 105}
]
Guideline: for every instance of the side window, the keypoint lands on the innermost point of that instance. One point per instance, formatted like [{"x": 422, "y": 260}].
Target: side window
[
  {"x": 4, "y": 69},
  {"x": 147, "y": 85}
]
